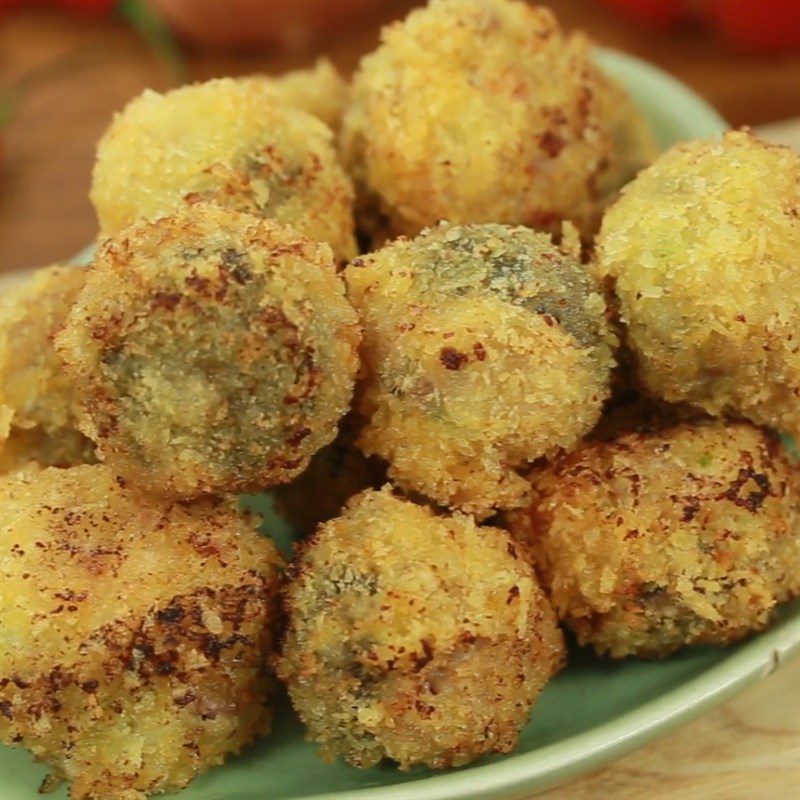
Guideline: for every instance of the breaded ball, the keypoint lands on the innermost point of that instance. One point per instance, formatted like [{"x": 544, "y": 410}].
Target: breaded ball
[
  {"x": 420, "y": 638},
  {"x": 135, "y": 631},
  {"x": 334, "y": 475},
  {"x": 485, "y": 347},
  {"x": 703, "y": 248},
  {"x": 215, "y": 350},
  {"x": 319, "y": 90},
  {"x": 40, "y": 405},
  {"x": 478, "y": 111},
  {"x": 231, "y": 142},
  {"x": 635, "y": 145},
  {"x": 654, "y": 541}
]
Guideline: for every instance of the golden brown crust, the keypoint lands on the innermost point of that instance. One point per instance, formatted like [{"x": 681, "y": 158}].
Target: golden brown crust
[
  {"x": 216, "y": 351},
  {"x": 478, "y": 111},
  {"x": 66, "y": 447},
  {"x": 319, "y": 90},
  {"x": 135, "y": 631},
  {"x": 702, "y": 248},
  {"x": 231, "y": 142},
  {"x": 40, "y": 407},
  {"x": 484, "y": 348},
  {"x": 396, "y": 616},
  {"x": 653, "y": 541}
]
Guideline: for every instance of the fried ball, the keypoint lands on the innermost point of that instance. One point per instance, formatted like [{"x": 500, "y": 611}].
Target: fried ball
[
  {"x": 635, "y": 146},
  {"x": 215, "y": 350},
  {"x": 135, "y": 631},
  {"x": 485, "y": 347},
  {"x": 478, "y": 111},
  {"x": 654, "y": 541},
  {"x": 703, "y": 247},
  {"x": 39, "y": 404},
  {"x": 231, "y": 142},
  {"x": 320, "y": 91},
  {"x": 420, "y": 638},
  {"x": 334, "y": 475}
]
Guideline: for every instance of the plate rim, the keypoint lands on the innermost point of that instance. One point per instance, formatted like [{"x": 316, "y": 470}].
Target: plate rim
[
  {"x": 520, "y": 774},
  {"x": 617, "y": 62}
]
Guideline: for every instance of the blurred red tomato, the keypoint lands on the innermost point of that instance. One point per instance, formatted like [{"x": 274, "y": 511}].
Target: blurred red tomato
[
  {"x": 766, "y": 26},
  {"x": 759, "y": 25},
  {"x": 231, "y": 23}
]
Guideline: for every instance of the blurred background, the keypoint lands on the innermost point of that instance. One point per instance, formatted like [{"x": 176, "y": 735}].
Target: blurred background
[{"x": 67, "y": 65}]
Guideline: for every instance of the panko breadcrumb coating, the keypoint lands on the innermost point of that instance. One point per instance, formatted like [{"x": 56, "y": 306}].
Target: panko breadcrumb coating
[
  {"x": 215, "y": 350},
  {"x": 334, "y": 475},
  {"x": 40, "y": 405},
  {"x": 654, "y": 541},
  {"x": 485, "y": 347},
  {"x": 319, "y": 90},
  {"x": 704, "y": 249},
  {"x": 135, "y": 631},
  {"x": 229, "y": 141},
  {"x": 635, "y": 145},
  {"x": 478, "y": 111},
  {"x": 420, "y": 638},
  {"x": 65, "y": 448}
]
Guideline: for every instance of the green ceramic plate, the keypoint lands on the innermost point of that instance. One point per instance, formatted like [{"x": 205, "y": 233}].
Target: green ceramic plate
[{"x": 591, "y": 713}]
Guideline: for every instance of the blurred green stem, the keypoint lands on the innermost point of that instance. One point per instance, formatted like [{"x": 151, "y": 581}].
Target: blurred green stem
[
  {"x": 156, "y": 33},
  {"x": 140, "y": 16}
]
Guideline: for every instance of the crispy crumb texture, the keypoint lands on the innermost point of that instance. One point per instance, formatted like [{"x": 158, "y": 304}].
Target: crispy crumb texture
[
  {"x": 485, "y": 347},
  {"x": 652, "y": 541},
  {"x": 135, "y": 631},
  {"x": 39, "y": 416},
  {"x": 481, "y": 111},
  {"x": 420, "y": 638},
  {"x": 319, "y": 90},
  {"x": 216, "y": 351},
  {"x": 234, "y": 142},
  {"x": 703, "y": 250}
]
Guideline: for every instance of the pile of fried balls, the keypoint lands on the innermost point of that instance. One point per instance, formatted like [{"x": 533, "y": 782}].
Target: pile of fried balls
[{"x": 505, "y": 368}]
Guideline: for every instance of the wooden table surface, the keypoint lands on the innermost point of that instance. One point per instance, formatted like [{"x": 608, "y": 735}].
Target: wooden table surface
[{"x": 80, "y": 71}]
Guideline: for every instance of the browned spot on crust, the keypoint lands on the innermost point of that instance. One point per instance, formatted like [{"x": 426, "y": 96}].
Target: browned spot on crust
[
  {"x": 427, "y": 655},
  {"x": 197, "y": 284},
  {"x": 451, "y": 358},
  {"x": 551, "y": 143},
  {"x": 294, "y": 439},
  {"x": 168, "y": 300},
  {"x": 690, "y": 510},
  {"x": 754, "y": 499}
]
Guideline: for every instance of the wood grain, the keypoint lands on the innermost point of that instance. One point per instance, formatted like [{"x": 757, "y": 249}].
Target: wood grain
[{"x": 747, "y": 750}]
